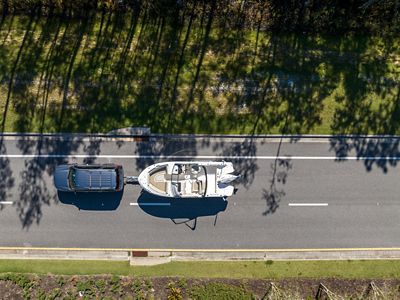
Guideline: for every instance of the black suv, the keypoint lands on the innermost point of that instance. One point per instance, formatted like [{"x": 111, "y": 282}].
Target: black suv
[{"x": 89, "y": 178}]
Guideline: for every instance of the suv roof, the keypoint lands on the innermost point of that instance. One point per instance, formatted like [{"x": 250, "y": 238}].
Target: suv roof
[{"x": 94, "y": 179}]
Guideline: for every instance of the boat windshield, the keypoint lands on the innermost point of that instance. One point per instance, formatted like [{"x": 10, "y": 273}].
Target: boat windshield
[{"x": 188, "y": 179}]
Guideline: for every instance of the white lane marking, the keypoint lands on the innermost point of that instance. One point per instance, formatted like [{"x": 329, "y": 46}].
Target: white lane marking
[
  {"x": 150, "y": 204},
  {"x": 308, "y": 204},
  {"x": 72, "y": 156},
  {"x": 6, "y": 202}
]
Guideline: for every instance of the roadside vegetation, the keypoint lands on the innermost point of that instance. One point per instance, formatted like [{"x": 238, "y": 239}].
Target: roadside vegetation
[
  {"x": 41, "y": 279},
  {"x": 350, "y": 269},
  {"x": 187, "y": 69}
]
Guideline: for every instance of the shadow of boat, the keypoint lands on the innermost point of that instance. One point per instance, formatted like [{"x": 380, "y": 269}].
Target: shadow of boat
[{"x": 181, "y": 210}]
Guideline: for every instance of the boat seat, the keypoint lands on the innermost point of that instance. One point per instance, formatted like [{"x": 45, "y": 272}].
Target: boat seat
[
  {"x": 197, "y": 187},
  {"x": 169, "y": 177},
  {"x": 181, "y": 188}
]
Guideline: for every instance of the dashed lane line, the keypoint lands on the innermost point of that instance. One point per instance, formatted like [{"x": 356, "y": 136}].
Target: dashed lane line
[
  {"x": 308, "y": 204},
  {"x": 150, "y": 204}
]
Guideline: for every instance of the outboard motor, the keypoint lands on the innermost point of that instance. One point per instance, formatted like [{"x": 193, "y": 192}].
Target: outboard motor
[{"x": 228, "y": 178}]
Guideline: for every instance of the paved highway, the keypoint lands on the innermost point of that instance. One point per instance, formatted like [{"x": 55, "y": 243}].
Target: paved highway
[{"x": 294, "y": 193}]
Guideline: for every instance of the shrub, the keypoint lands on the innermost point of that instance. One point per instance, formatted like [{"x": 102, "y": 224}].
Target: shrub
[
  {"x": 137, "y": 290},
  {"x": 101, "y": 285},
  {"x": 269, "y": 262},
  {"x": 60, "y": 280},
  {"x": 41, "y": 294},
  {"x": 54, "y": 294},
  {"x": 220, "y": 291},
  {"x": 175, "y": 293},
  {"x": 19, "y": 279},
  {"x": 148, "y": 284},
  {"x": 182, "y": 283},
  {"x": 136, "y": 286},
  {"x": 86, "y": 287},
  {"x": 116, "y": 285}
]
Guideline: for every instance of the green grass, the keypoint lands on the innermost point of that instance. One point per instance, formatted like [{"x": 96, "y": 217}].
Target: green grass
[
  {"x": 248, "y": 269},
  {"x": 60, "y": 75},
  {"x": 217, "y": 290}
]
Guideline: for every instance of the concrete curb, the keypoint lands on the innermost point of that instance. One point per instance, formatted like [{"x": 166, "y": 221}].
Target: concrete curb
[
  {"x": 65, "y": 255},
  {"x": 287, "y": 255},
  {"x": 264, "y": 256},
  {"x": 141, "y": 257}
]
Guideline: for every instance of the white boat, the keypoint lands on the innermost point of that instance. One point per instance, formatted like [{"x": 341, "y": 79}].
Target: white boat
[{"x": 189, "y": 179}]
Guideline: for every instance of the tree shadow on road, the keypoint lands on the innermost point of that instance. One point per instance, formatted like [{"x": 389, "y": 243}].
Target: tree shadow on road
[
  {"x": 379, "y": 152},
  {"x": 242, "y": 154},
  {"x": 279, "y": 169},
  {"x": 33, "y": 192},
  {"x": 151, "y": 151},
  {"x": 38, "y": 171},
  {"x": 6, "y": 174},
  {"x": 181, "y": 211},
  {"x": 275, "y": 193}
]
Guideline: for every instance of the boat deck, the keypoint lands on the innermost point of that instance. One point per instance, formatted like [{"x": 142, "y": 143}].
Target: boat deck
[{"x": 157, "y": 180}]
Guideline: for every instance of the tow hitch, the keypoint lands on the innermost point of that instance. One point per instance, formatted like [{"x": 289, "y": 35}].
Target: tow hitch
[{"x": 132, "y": 180}]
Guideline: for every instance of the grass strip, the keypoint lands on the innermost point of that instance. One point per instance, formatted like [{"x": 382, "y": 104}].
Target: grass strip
[
  {"x": 59, "y": 75},
  {"x": 244, "y": 269}
]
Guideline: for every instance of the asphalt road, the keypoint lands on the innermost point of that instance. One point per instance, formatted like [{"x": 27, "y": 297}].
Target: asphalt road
[{"x": 302, "y": 193}]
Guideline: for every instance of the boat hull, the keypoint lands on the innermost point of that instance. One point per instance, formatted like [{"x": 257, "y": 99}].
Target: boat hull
[{"x": 189, "y": 179}]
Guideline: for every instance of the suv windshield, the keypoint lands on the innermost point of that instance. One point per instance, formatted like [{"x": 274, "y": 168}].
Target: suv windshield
[
  {"x": 120, "y": 178},
  {"x": 71, "y": 178}
]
